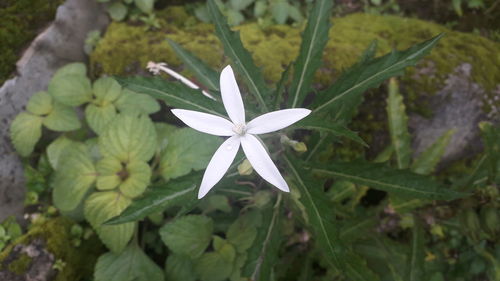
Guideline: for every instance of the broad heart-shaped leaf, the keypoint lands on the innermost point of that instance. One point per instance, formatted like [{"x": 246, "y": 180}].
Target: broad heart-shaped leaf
[
  {"x": 427, "y": 161},
  {"x": 314, "y": 39},
  {"x": 62, "y": 118},
  {"x": 77, "y": 68},
  {"x": 241, "y": 58},
  {"x": 101, "y": 206},
  {"x": 203, "y": 72},
  {"x": 178, "y": 192},
  {"x": 25, "y": 131},
  {"x": 318, "y": 212},
  {"x": 174, "y": 94},
  {"x": 328, "y": 126},
  {"x": 401, "y": 182},
  {"x": 55, "y": 150},
  {"x": 98, "y": 117},
  {"x": 129, "y": 138},
  {"x": 40, "y": 104},
  {"x": 117, "y": 11},
  {"x": 71, "y": 89},
  {"x": 133, "y": 103},
  {"x": 130, "y": 265},
  {"x": 398, "y": 125},
  {"x": 146, "y": 6},
  {"x": 106, "y": 90},
  {"x": 188, "y": 235},
  {"x": 179, "y": 268},
  {"x": 73, "y": 178},
  {"x": 345, "y": 92},
  {"x": 187, "y": 150}
]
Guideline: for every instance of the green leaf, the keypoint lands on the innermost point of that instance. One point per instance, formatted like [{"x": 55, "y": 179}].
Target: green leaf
[
  {"x": 74, "y": 178},
  {"x": 328, "y": 126},
  {"x": 213, "y": 267},
  {"x": 398, "y": 125},
  {"x": 369, "y": 53},
  {"x": 188, "y": 235},
  {"x": 146, "y": 6},
  {"x": 100, "y": 207},
  {"x": 318, "y": 208},
  {"x": 117, "y": 11},
  {"x": 129, "y": 138},
  {"x": 355, "y": 229},
  {"x": 339, "y": 97},
  {"x": 416, "y": 262},
  {"x": 357, "y": 269},
  {"x": 203, "y": 72},
  {"x": 56, "y": 149},
  {"x": 40, "y": 104},
  {"x": 62, "y": 118},
  {"x": 242, "y": 233},
  {"x": 180, "y": 268},
  {"x": 279, "y": 10},
  {"x": 427, "y": 161},
  {"x": 490, "y": 136},
  {"x": 71, "y": 89},
  {"x": 163, "y": 132},
  {"x": 174, "y": 94},
  {"x": 130, "y": 265},
  {"x": 174, "y": 193},
  {"x": 133, "y": 103},
  {"x": 139, "y": 177},
  {"x": 187, "y": 150},
  {"x": 401, "y": 182},
  {"x": 106, "y": 90},
  {"x": 76, "y": 68},
  {"x": 25, "y": 131},
  {"x": 240, "y": 5},
  {"x": 281, "y": 87},
  {"x": 109, "y": 170},
  {"x": 99, "y": 117},
  {"x": 314, "y": 39},
  {"x": 260, "y": 8},
  {"x": 241, "y": 58}
]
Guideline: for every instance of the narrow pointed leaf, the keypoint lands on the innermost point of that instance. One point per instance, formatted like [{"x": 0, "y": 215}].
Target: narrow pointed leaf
[
  {"x": 174, "y": 94},
  {"x": 351, "y": 84},
  {"x": 398, "y": 125},
  {"x": 204, "y": 73},
  {"x": 281, "y": 87},
  {"x": 416, "y": 262},
  {"x": 241, "y": 58},
  {"x": 318, "y": 211},
  {"x": 427, "y": 161},
  {"x": 369, "y": 53},
  {"x": 329, "y": 126},
  {"x": 401, "y": 182},
  {"x": 314, "y": 39}
]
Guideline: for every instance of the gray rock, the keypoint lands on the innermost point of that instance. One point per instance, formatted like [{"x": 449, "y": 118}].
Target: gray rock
[{"x": 61, "y": 43}]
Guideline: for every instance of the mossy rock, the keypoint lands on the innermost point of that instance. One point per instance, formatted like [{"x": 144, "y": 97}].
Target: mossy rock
[
  {"x": 21, "y": 22},
  {"x": 52, "y": 243}
]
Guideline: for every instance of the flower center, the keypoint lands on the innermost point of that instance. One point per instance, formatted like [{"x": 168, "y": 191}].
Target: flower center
[{"x": 239, "y": 129}]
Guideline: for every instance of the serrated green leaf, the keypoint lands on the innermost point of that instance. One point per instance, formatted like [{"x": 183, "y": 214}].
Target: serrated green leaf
[
  {"x": 279, "y": 10},
  {"x": 129, "y": 138},
  {"x": 108, "y": 170},
  {"x": 106, "y": 90},
  {"x": 215, "y": 202},
  {"x": 146, "y": 6},
  {"x": 55, "y": 150},
  {"x": 74, "y": 178},
  {"x": 416, "y": 262},
  {"x": 138, "y": 178},
  {"x": 317, "y": 207},
  {"x": 100, "y": 207},
  {"x": 71, "y": 89},
  {"x": 401, "y": 182},
  {"x": 179, "y": 268},
  {"x": 163, "y": 132},
  {"x": 314, "y": 39},
  {"x": 398, "y": 125},
  {"x": 241, "y": 58},
  {"x": 342, "y": 97},
  {"x": 427, "y": 161},
  {"x": 62, "y": 118},
  {"x": 242, "y": 233},
  {"x": 187, "y": 150},
  {"x": 188, "y": 235},
  {"x": 77, "y": 68},
  {"x": 174, "y": 94},
  {"x": 203, "y": 72},
  {"x": 117, "y": 11},
  {"x": 98, "y": 117},
  {"x": 133, "y": 103},
  {"x": 328, "y": 126},
  {"x": 25, "y": 131},
  {"x": 213, "y": 267},
  {"x": 130, "y": 265},
  {"x": 176, "y": 192},
  {"x": 40, "y": 104},
  {"x": 224, "y": 248}
]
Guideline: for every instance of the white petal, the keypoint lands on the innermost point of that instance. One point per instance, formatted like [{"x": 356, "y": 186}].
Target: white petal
[
  {"x": 231, "y": 96},
  {"x": 219, "y": 164},
  {"x": 261, "y": 162},
  {"x": 276, "y": 120},
  {"x": 204, "y": 122}
]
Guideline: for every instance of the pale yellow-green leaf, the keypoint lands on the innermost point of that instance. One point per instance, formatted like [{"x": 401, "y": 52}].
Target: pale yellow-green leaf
[
  {"x": 163, "y": 132},
  {"x": 108, "y": 169},
  {"x": 129, "y": 138},
  {"x": 134, "y": 103},
  {"x": 93, "y": 148},
  {"x": 139, "y": 177},
  {"x": 74, "y": 177},
  {"x": 106, "y": 90},
  {"x": 62, "y": 118},
  {"x": 56, "y": 149},
  {"x": 98, "y": 117},
  {"x": 71, "y": 89},
  {"x": 25, "y": 131},
  {"x": 77, "y": 68},
  {"x": 100, "y": 207},
  {"x": 40, "y": 104}
]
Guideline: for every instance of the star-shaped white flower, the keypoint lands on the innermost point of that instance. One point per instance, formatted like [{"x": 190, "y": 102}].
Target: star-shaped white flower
[{"x": 239, "y": 132}]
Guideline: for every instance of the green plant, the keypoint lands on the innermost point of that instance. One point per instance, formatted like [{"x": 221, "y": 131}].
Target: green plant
[{"x": 119, "y": 9}]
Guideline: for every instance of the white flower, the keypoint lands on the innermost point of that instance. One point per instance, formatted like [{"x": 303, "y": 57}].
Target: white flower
[{"x": 239, "y": 132}]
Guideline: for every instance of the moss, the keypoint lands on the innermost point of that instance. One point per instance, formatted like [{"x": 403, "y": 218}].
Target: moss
[
  {"x": 20, "y": 265},
  {"x": 56, "y": 233},
  {"x": 21, "y": 21}
]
